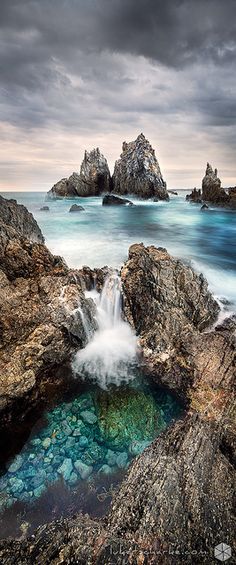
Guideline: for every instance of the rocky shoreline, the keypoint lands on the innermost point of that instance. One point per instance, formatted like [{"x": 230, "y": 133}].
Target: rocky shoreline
[{"x": 175, "y": 503}]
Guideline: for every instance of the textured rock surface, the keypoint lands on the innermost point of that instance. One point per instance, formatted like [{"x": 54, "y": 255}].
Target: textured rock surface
[
  {"x": 76, "y": 208},
  {"x": 94, "y": 174},
  {"x": 112, "y": 200},
  {"x": 94, "y": 178},
  {"x": 138, "y": 172},
  {"x": 165, "y": 301},
  {"x": 211, "y": 187},
  {"x": 40, "y": 318},
  {"x": 195, "y": 196},
  {"x": 17, "y": 222}
]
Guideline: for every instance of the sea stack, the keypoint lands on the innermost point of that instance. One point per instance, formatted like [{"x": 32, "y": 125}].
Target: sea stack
[
  {"x": 138, "y": 171},
  {"x": 94, "y": 178},
  {"x": 211, "y": 187}
]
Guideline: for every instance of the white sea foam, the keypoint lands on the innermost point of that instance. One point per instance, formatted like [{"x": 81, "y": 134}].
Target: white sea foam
[{"x": 110, "y": 355}]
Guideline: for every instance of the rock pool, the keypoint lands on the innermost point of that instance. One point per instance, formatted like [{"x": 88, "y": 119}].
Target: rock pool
[{"x": 79, "y": 450}]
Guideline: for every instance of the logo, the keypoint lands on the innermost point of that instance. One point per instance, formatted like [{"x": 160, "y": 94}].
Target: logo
[{"x": 222, "y": 552}]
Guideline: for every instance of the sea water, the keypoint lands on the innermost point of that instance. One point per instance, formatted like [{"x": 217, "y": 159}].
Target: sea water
[{"x": 101, "y": 235}]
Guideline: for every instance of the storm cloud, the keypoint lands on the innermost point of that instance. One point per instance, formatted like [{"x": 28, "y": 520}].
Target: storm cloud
[{"x": 77, "y": 74}]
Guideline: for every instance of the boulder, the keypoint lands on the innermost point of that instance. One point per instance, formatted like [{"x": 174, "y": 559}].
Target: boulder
[
  {"x": 204, "y": 207},
  {"x": 62, "y": 189},
  {"x": 44, "y": 209},
  {"x": 138, "y": 171},
  {"x": 173, "y": 192},
  {"x": 112, "y": 200},
  {"x": 76, "y": 208},
  {"x": 17, "y": 222}
]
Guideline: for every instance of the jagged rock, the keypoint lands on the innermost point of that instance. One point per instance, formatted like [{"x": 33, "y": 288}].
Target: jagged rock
[
  {"x": 173, "y": 192},
  {"x": 204, "y": 207},
  {"x": 44, "y": 209},
  {"x": 165, "y": 301},
  {"x": 94, "y": 178},
  {"x": 195, "y": 196},
  {"x": 76, "y": 208},
  {"x": 94, "y": 174},
  {"x": 62, "y": 189},
  {"x": 112, "y": 200},
  {"x": 211, "y": 188},
  {"x": 138, "y": 172},
  {"x": 17, "y": 222},
  {"x": 40, "y": 322}
]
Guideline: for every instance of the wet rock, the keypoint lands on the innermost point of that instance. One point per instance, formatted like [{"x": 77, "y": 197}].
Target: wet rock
[
  {"x": 127, "y": 415},
  {"x": 66, "y": 468},
  {"x": 122, "y": 460},
  {"x": 40, "y": 325},
  {"x": 138, "y": 172},
  {"x": 46, "y": 442},
  {"x": 166, "y": 302},
  {"x": 173, "y": 192},
  {"x": 76, "y": 208},
  {"x": 111, "y": 457},
  {"x": 83, "y": 441},
  {"x": 17, "y": 485},
  {"x": 62, "y": 189},
  {"x": 204, "y": 207},
  {"x": 195, "y": 196},
  {"x": 88, "y": 417},
  {"x": 83, "y": 469},
  {"x": 211, "y": 188},
  {"x": 44, "y": 209},
  {"x": 16, "y": 464},
  {"x": 105, "y": 470},
  {"x": 112, "y": 200}
]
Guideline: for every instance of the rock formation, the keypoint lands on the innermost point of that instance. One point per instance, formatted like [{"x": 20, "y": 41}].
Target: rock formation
[
  {"x": 40, "y": 304},
  {"x": 94, "y": 174},
  {"x": 212, "y": 191},
  {"x": 175, "y": 503},
  {"x": 195, "y": 196},
  {"x": 76, "y": 208},
  {"x": 94, "y": 178},
  {"x": 112, "y": 200},
  {"x": 211, "y": 187},
  {"x": 138, "y": 172}
]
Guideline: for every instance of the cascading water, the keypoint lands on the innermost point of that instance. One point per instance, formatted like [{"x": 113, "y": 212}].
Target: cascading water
[{"x": 110, "y": 355}]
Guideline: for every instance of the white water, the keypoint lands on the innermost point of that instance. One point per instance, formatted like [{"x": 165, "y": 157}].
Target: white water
[{"x": 110, "y": 355}]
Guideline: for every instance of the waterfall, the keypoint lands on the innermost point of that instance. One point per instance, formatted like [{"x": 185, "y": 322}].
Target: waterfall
[{"x": 110, "y": 355}]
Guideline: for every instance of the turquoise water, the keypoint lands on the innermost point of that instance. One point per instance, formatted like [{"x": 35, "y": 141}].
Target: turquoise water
[
  {"x": 102, "y": 235},
  {"x": 85, "y": 442}
]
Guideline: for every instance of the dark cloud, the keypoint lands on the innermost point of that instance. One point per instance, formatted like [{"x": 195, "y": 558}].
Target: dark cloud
[{"x": 100, "y": 66}]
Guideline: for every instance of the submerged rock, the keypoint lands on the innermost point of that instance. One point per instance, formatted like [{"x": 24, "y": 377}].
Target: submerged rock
[
  {"x": 66, "y": 468},
  {"x": 127, "y": 415},
  {"x": 16, "y": 465},
  {"x": 44, "y": 209},
  {"x": 76, "y": 208},
  {"x": 138, "y": 172},
  {"x": 83, "y": 469},
  {"x": 112, "y": 200}
]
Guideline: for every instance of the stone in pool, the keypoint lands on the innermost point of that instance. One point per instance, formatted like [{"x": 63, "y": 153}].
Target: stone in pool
[
  {"x": 88, "y": 417},
  {"x": 105, "y": 470},
  {"x": 17, "y": 485},
  {"x": 46, "y": 442},
  {"x": 16, "y": 465},
  {"x": 122, "y": 460},
  {"x": 83, "y": 469},
  {"x": 66, "y": 469},
  {"x": 127, "y": 415}
]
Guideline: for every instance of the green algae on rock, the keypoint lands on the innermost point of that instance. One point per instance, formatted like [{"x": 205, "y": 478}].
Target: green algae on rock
[{"x": 126, "y": 416}]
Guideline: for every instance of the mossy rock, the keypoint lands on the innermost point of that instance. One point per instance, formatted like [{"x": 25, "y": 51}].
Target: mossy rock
[{"x": 127, "y": 415}]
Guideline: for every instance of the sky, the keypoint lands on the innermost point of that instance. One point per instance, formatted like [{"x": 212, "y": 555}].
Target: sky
[{"x": 77, "y": 74}]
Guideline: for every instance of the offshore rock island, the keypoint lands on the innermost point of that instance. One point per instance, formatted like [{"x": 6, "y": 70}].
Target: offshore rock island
[
  {"x": 136, "y": 172},
  {"x": 178, "y": 491}
]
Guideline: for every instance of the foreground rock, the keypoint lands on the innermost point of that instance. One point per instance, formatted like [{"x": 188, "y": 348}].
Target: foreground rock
[
  {"x": 94, "y": 178},
  {"x": 195, "y": 196},
  {"x": 138, "y": 171},
  {"x": 176, "y": 502},
  {"x": 40, "y": 320},
  {"x": 112, "y": 200}
]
